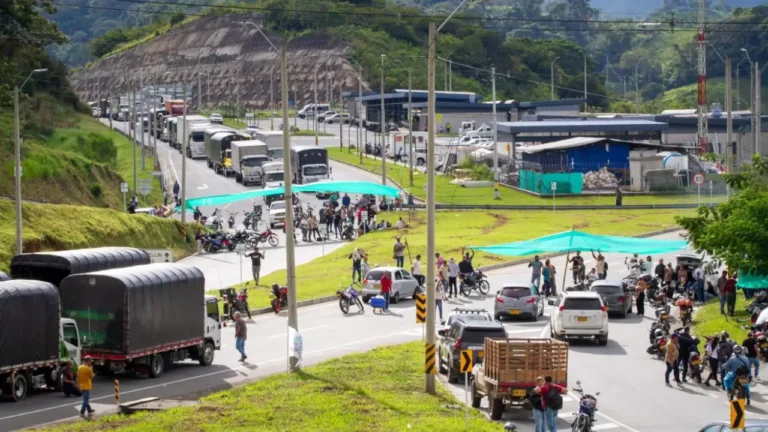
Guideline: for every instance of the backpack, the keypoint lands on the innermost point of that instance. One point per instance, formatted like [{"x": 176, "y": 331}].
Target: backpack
[
  {"x": 554, "y": 400},
  {"x": 724, "y": 352},
  {"x": 535, "y": 400},
  {"x": 742, "y": 370}
]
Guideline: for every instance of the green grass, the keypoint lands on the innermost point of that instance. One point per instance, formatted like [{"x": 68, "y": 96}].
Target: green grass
[
  {"x": 709, "y": 321},
  {"x": 448, "y": 193},
  {"x": 310, "y": 133},
  {"x": 302, "y": 132},
  {"x": 381, "y": 390},
  {"x": 62, "y": 227},
  {"x": 322, "y": 276}
]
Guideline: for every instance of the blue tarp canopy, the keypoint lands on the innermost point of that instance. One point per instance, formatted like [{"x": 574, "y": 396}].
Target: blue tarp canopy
[
  {"x": 572, "y": 241},
  {"x": 353, "y": 187}
]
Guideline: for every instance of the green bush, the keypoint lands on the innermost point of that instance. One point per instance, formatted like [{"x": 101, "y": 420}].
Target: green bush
[{"x": 96, "y": 191}]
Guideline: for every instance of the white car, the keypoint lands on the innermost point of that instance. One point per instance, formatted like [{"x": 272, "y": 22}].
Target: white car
[
  {"x": 337, "y": 118},
  {"x": 276, "y": 213},
  {"x": 579, "y": 314},
  {"x": 403, "y": 284},
  {"x": 216, "y": 118}
]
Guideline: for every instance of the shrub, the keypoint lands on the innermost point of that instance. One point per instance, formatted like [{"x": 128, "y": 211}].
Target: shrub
[{"x": 96, "y": 191}]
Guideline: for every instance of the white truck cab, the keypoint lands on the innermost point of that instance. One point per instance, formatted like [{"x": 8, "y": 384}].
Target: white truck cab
[{"x": 212, "y": 325}]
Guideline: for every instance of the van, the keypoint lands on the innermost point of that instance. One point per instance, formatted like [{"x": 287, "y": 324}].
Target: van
[{"x": 310, "y": 110}]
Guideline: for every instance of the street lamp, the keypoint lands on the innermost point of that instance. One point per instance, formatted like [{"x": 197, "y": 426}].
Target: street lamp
[
  {"x": 383, "y": 128},
  {"x": 738, "y": 90},
  {"x": 747, "y": 53},
  {"x": 17, "y": 150},
  {"x": 552, "y": 76},
  {"x": 293, "y": 322},
  {"x": 410, "y": 125}
]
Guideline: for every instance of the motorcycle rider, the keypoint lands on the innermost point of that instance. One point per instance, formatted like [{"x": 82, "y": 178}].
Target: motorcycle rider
[
  {"x": 736, "y": 366},
  {"x": 466, "y": 270},
  {"x": 686, "y": 307},
  {"x": 724, "y": 351}
]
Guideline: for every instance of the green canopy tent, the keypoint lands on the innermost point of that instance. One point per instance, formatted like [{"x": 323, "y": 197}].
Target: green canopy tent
[
  {"x": 751, "y": 281},
  {"x": 580, "y": 241},
  {"x": 354, "y": 187}
]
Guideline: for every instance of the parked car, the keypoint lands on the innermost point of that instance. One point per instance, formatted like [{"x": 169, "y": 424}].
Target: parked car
[
  {"x": 519, "y": 300},
  {"x": 337, "y": 118},
  {"x": 579, "y": 314},
  {"x": 216, "y": 118},
  {"x": 750, "y": 425},
  {"x": 462, "y": 335},
  {"x": 321, "y": 118},
  {"x": 276, "y": 213},
  {"x": 403, "y": 284},
  {"x": 467, "y": 314},
  {"x": 616, "y": 296}
]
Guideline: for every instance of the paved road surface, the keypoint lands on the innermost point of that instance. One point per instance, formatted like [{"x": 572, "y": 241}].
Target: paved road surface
[{"x": 633, "y": 394}]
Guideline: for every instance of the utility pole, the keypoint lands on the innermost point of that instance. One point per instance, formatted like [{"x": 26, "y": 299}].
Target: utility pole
[
  {"x": 552, "y": 77},
  {"x": 18, "y": 173},
  {"x": 758, "y": 125},
  {"x": 729, "y": 118},
  {"x": 237, "y": 96},
  {"x": 586, "y": 105},
  {"x": 637, "y": 93},
  {"x": 140, "y": 123},
  {"x": 450, "y": 75},
  {"x": 184, "y": 157},
  {"x": 360, "y": 143},
  {"x": 317, "y": 141},
  {"x": 111, "y": 109},
  {"x": 272, "y": 98},
  {"x": 383, "y": 129},
  {"x": 154, "y": 137},
  {"x": 410, "y": 130},
  {"x": 133, "y": 141},
  {"x": 701, "y": 48},
  {"x": 495, "y": 142},
  {"x": 625, "y": 87},
  {"x": 607, "y": 68},
  {"x": 199, "y": 93},
  {"x": 430, "y": 324}
]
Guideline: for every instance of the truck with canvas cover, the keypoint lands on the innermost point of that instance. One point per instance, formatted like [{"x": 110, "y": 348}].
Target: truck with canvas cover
[
  {"x": 35, "y": 343},
  {"x": 218, "y": 150},
  {"x": 193, "y": 128},
  {"x": 508, "y": 373},
  {"x": 247, "y": 160},
  {"x": 143, "y": 318},
  {"x": 273, "y": 140},
  {"x": 53, "y": 267}
]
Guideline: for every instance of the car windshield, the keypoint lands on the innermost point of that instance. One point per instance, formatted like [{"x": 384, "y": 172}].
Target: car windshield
[
  {"x": 477, "y": 335},
  {"x": 516, "y": 292},
  {"x": 280, "y": 205},
  {"x": 582, "y": 303},
  {"x": 275, "y": 176},
  {"x": 374, "y": 275},
  {"x": 198, "y": 136},
  {"x": 255, "y": 161},
  {"x": 318, "y": 170},
  {"x": 606, "y": 289},
  {"x": 275, "y": 153}
]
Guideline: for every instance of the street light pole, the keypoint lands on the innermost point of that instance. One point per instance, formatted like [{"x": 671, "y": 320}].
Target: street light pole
[
  {"x": 317, "y": 141},
  {"x": 383, "y": 129},
  {"x": 410, "y": 130},
  {"x": 495, "y": 141},
  {"x": 360, "y": 143},
  {"x": 552, "y": 78},
  {"x": 272, "y": 98},
  {"x": 637, "y": 93},
  {"x": 738, "y": 90},
  {"x": 430, "y": 324},
  {"x": 586, "y": 105}
]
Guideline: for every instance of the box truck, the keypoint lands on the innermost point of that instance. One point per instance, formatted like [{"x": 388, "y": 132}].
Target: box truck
[
  {"x": 273, "y": 140},
  {"x": 247, "y": 159}
]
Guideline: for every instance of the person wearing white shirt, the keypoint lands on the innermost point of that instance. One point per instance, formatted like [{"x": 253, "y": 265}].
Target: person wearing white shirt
[
  {"x": 453, "y": 274},
  {"x": 416, "y": 271}
]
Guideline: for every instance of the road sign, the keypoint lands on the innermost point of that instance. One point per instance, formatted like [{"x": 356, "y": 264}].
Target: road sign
[
  {"x": 157, "y": 173},
  {"x": 160, "y": 255},
  {"x": 698, "y": 179},
  {"x": 124, "y": 187},
  {"x": 554, "y": 186},
  {"x": 421, "y": 308},
  {"x": 429, "y": 358},
  {"x": 249, "y": 115},
  {"x": 737, "y": 414},
  {"x": 145, "y": 187},
  {"x": 466, "y": 363}
]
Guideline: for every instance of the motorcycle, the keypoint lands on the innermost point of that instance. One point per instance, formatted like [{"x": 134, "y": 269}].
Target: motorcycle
[
  {"x": 695, "y": 363},
  {"x": 658, "y": 344},
  {"x": 762, "y": 343},
  {"x": 480, "y": 284},
  {"x": 237, "y": 303},
  {"x": 216, "y": 242},
  {"x": 740, "y": 388},
  {"x": 349, "y": 232},
  {"x": 347, "y": 297},
  {"x": 253, "y": 217},
  {"x": 267, "y": 236},
  {"x": 585, "y": 417},
  {"x": 279, "y": 298},
  {"x": 231, "y": 220},
  {"x": 685, "y": 316}
]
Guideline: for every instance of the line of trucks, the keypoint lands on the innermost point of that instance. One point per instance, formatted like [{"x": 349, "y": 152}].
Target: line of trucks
[{"x": 111, "y": 304}]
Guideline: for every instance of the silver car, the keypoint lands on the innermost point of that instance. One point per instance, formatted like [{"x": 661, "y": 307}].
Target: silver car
[
  {"x": 616, "y": 297},
  {"x": 403, "y": 284},
  {"x": 519, "y": 300}
]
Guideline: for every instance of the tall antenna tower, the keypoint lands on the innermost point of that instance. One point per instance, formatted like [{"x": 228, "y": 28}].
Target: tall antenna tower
[{"x": 701, "y": 46}]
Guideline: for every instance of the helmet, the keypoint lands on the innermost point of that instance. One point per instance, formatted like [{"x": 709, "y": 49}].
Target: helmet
[
  {"x": 275, "y": 286},
  {"x": 737, "y": 349},
  {"x": 724, "y": 335},
  {"x": 658, "y": 333}
]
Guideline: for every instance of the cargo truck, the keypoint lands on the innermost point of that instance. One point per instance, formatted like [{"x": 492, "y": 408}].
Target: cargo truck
[
  {"x": 274, "y": 174},
  {"x": 35, "y": 344},
  {"x": 273, "y": 140},
  {"x": 309, "y": 164},
  {"x": 196, "y": 140},
  {"x": 142, "y": 319},
  {"x": 508, "y": 372},
  {"x": 175, "y": 107},
  {"x": 247, "y": 159},
  {"x": 180, "y": 129},
  {"x": 218, "y": 149}
]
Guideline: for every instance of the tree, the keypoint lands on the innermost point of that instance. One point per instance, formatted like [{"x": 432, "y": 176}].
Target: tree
[{"x": 734, "y": 232}]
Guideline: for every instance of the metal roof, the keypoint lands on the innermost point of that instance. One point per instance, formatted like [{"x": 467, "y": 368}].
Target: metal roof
[
  {"x": 602, "y": 125},
  {"x": 562, "y": 145}
]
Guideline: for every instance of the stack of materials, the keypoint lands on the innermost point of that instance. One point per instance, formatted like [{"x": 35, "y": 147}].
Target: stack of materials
[{"x": 601, "y": 179}]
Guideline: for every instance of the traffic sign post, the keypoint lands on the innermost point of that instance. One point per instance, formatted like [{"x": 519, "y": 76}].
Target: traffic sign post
[
  {"x": 710, "y": 193},
  {"x": 737, "y": 414},
  {"x": 699, "y": 180},
  {"x": 465, "y": 366},
  {"x": 421, "y": 311},
  {"x": 554, "y": 188},
  {"x": 240, "y": 248},
  {"x": 124, "y": 190}
]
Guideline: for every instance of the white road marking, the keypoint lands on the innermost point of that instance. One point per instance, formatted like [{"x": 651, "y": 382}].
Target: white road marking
[
  {"x": 204, "y": 186},
  {"x": 173, "y": 167},
  {"x": 300, "y": 330},
  {"x": 599, "y": 427}
]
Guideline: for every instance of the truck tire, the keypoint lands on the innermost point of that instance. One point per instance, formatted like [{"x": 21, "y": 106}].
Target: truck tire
[
  {"x": 156, "y": 366},
  {"x": 497, "y": 407},
  {"x": 476, "y": 398},
  {"x": 19, "y": 387},
  {"x": 206, "y": 356}
]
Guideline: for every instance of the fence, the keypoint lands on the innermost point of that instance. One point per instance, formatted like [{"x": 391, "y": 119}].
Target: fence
[{"x": 567, "y": 183}]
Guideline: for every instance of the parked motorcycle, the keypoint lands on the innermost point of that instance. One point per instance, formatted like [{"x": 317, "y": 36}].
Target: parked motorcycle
[
  {"x": 267, "y": 236},
  {"x": 237, "y": 303},
  {"x": 349, "y": 232},
  {"x": 213, "y": 243},
  {"x": 347, "y": 297},
  {"x": 480, "y": 284},
  {"x": 231, "y": 220},
  {"x": 658, "y": 344},
  {"x": 762, "y": 343},
  {"x": 695, "y": 365},
  {"x": 279, "y": 298},
  {"x": 585, "y": 417}
]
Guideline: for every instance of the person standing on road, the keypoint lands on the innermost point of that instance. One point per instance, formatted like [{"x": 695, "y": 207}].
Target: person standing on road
[
  {"x": 337, "y": 223},
  {"x": 660, "y": 270},
  {"x": 729, "y": 288},
  {"x": 399, "y": 252},
  {"x": 712, "y": 351},
  {"x": 750, "y": 344},
  {"x": 345, "y": 201},
  {"x": 416, "y": 271},
  {"x": 356, "y": 258},
  {"x": 68, "y": 381},
  {"x": 724, "y": 352},
  {"x": 640, "y": 296},
  {"x": 551, "y": 401},
  {"x": 698, "y": 275},
  {"x": 241, "y": 334},
  {"x": 600, "y": 265},
  {"x": 176, "y": 190},
  {"x": 256, "y": 258},
  {"x": 545, "y": 272},
  {"x": 537, "y": 406},
  {"x": 686, "y": 346},
  {"x": 85, "y": 381},
  {"x": 386, "y": 288},
  {"x": 577, "y": 264},
  {"x": 672, "y": 358},
  {"x": 453, "y": 275},
  {"x": 443, "y": 274},
  {"x": 536, "y": 265},
  {"x": 439, "y": 297},
  {"x": 364, "y": 267},
  {"x": 552, "y": 278}
]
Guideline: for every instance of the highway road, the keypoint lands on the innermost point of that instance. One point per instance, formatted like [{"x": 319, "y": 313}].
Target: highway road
[{"x": 633, "y": 395}]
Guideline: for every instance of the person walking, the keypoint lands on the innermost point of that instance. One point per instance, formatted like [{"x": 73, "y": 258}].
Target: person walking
[
  {"x": 399, "y": 252},
  {"x": 750, "y": 344},
  {"x": 545, "y": 272},
  {"x": 256, "y": 256},
  {"x": 337, "y": 223},
  {"x": 386, "y": 288},
  {"x": 69, "y": 385},
  {"x": 724, "y": 351},
  {"x": 577, "y": 264},
  {"x": 671, "y": 359},
  {"x": 453, "y": 275},
  {"x": 443, "y": 274},
  {"x": 712, "y": 352},
  {"x": 364, "y": 267},
  {"x": 686, "y": 346},
  {"x": 552, "y": 278},
  {"x": 416, "y": 271},
  {"x": 640, "y": 297},
  {"x": 536, "y": 266},
  {"x": 729, "y": 288},
  {"x": 660, "y": 270},
  {"x": 551, "y": 401},
  {"x": 85, "y": 382},
  {"x": 356, "y": 258},
  {"x": 537, "y": 406},
  {"x": 439, "y": 297},
  {"x": 241, "y": 334},
  {"x": 720, "y": 284}
]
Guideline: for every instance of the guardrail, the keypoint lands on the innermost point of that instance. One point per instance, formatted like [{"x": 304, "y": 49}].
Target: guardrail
[{"x": 559, "y": 207}]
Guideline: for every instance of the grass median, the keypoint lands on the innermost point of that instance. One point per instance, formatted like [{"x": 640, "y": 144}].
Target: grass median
[
  {"x": 455, "y": 229},
  {"x": 447, "y": 193},
  {"x": 381, "y": 390},
  {"x": 708, "y": 319}
]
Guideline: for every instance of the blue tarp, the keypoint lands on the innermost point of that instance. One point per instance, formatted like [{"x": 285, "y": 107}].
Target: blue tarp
[
  {"x": 581, "y": 241},
  {"x": 353, "y": 187}
]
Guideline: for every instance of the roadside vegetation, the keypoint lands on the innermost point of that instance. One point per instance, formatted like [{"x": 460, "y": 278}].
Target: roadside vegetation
[
  {"x": 381, "y": 390},
  {"x": 447, "y": 193},
  {"x": 455, "y": 229},
  {"x": 62, "y": 227},
  {"x": 708, "y": 320}
]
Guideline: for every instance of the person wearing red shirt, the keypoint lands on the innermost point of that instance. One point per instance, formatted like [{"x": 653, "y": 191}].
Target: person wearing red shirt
[
  {"x": 386, "y": 288},
  {"x": 550, "y": 413},
  {"x": 729, "y": 288}
]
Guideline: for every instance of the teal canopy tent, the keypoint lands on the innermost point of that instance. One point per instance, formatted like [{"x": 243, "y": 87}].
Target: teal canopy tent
[
  {"x": 751, "y": 281},
  {"x": 581, "y": 241},
  {"x": 353, "y": 187}
]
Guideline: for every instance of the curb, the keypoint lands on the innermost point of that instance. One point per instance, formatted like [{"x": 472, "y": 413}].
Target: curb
[{"x": 303, "y": 303}]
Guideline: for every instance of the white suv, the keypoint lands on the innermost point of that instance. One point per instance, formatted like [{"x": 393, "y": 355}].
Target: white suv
[{"x": 579, "y": 314}]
